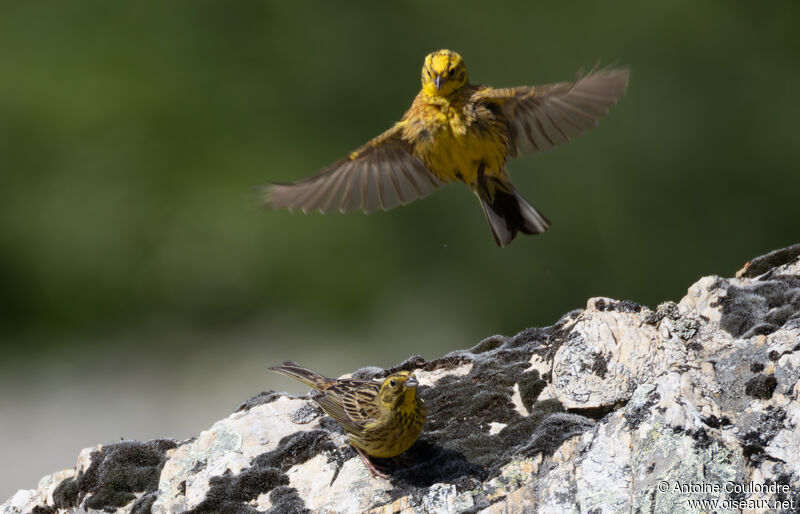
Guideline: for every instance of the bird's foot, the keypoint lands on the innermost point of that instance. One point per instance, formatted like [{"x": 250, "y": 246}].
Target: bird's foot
[{"x": 370, "y": 466}]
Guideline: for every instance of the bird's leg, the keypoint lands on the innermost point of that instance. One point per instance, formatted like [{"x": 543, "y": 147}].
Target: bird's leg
[{"x": 370, "y": 466}]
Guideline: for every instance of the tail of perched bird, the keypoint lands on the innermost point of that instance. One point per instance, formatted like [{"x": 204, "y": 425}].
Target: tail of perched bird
[
  {"x": 304, "y": 375},
  {"x": 508, "y": 212}
]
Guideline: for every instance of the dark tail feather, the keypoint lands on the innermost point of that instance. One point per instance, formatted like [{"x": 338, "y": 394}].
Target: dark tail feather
[
  {"x": 298, "y": 372},
  {"x": 508, "y": 213}
]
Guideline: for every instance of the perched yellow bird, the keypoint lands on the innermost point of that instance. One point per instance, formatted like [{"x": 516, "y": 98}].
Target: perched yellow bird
[
  {"x": 381, "y": 419},
  {"x": 455, "y": 131}
]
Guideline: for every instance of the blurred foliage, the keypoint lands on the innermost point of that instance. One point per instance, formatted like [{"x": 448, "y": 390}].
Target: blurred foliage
[{"x": 133, "y": 137}]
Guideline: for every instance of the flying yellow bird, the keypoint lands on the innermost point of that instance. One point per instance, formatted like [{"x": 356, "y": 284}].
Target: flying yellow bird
[
  {"x": 455, "y": 131},
  {"x": 381, "y": 419}
]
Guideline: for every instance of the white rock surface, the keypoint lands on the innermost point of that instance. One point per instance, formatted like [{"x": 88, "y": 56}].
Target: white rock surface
[{"x": 617, "y": 408}]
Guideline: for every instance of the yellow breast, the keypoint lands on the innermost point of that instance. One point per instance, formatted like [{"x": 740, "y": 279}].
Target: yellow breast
[
  {"x": 453, "y": 143},
  {"x": 395, "y": 434}
]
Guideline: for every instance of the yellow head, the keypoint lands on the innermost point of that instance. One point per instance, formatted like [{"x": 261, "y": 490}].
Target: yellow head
[
  {"x": 443, "y": 73},
  {"x": 399, "y": 388}
]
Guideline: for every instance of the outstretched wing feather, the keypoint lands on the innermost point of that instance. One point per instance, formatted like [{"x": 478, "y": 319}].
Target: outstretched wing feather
[
  {"x": 542, "y": 117},
  {"x": 382, "y": 174}
]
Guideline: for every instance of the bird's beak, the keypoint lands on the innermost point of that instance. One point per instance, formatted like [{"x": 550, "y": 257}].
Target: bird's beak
[
  {"x": 438, "y": 82},
  {"x": 412, "y": 382}
]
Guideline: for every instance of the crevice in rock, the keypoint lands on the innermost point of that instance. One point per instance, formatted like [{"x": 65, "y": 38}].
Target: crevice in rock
[{"x": 597, "y": 413}]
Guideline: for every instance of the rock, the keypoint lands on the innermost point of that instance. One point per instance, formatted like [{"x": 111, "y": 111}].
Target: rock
[{"x": 615, "y": 408}]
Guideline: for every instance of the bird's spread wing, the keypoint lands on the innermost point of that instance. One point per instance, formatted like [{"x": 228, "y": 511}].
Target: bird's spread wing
[
  {"x": 352, "y": 403},
  {"x": 380, "y": 175},
  {"x": 541, "y": 117}
]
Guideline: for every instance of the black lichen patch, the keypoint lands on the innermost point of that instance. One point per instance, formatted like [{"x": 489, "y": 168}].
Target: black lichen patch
[
  {"x": 765, "y": 263},
  {"x": 702, "y": 439},
  {"x": 530, "y": 386},
  {"x": 741, "y": 374},
  {"x": 43, "y": 509},
  {"x": 715, "y": 422},
  {"x": 599, "y": 364},
  {"x": 264, "y": 398},
  {"x": 635, "y": 414},
  {"x": 261, "y": 398},
  {"x": 761, "y": 434},
  {"x": 628, "y": 306},
  {"x": 296, "y": 449},
  {"x": 694, "y": 346},
  {"x": 329, "y": 424},
  {"x": 545, "y": 434},
  {"x": 488, "y": 344},
  {"x": 560, "y": 335},
  {"x": 761, "y": 386},
  {"x": 371, "y": 372},
  {"x": 116, "y": 473},
  {"x": 306, "y": 414},
  {"x": 145, "y": 503},
  {"x": 762, "y": 308},
  {"x": 231, "y": 493},
  {"x": 417, "y": 362},
  {"x": 266, "y": 474},
  {"x": 786, "y": 493},
  {"x": 621, "y": 306},
  {"x": 286, "y": 499},
  {"x": 775, "y": 356},
  {"x": 65, "y": 495},
  {"x": 535, "y": 337},
  {"x": 664, "y": 310}
]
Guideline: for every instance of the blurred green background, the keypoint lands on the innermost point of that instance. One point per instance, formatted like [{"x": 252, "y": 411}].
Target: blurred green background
[{"x": 144, "y": 290}]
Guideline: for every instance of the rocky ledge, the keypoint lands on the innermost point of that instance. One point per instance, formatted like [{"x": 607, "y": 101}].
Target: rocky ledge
[{"x": 615, "y": 408}]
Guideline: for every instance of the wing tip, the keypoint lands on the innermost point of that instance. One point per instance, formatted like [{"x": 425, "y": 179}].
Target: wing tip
[
  {"x": 266, "y": 194},
  {"x": 611, "y": 72},
  {"x": 270, "y": 192}
]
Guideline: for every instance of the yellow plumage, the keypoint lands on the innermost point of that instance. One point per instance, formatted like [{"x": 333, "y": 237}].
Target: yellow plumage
[{"x": 455, "y": 131}]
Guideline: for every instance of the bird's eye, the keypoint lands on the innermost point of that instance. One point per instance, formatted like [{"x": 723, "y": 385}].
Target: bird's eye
[
  {"x": 452, "y": 72},
  {"x": 393, "y": 382}
]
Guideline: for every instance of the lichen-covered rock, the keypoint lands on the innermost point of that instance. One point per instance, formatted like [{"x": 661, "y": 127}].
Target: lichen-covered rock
[{"x": 615, "y": 408}]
